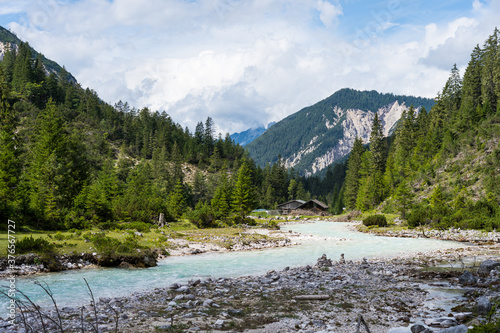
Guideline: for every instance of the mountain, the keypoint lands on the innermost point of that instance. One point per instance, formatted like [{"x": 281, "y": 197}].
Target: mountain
[
  {"x": 315, "y": 137},
  {"x": 9, "y": 41},
  {"x": 245, "y": 137}
]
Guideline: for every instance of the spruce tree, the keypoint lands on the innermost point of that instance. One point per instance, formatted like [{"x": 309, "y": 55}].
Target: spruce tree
[
  {"x": 378, "y": 146},
  {"x": 177, "y": 200},
  {"x": 471, "y": 90},
  {"x": 10, "y": 165},
  {"x": 243, "y": 194},
  {"x": 489, "y": 81},
  {"x": 45, "y": 171},
  {"x": 352, "y": 178}
]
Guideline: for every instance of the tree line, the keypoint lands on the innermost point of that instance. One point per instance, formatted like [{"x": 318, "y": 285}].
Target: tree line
[
  {"x": 440, "y": 167},
  {"x": 70, "y": 160}
]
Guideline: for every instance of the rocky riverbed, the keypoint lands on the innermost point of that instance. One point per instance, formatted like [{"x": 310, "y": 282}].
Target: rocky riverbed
[
  {"x": 327, "y": 296},
  {"x": 452, "y": 234}
]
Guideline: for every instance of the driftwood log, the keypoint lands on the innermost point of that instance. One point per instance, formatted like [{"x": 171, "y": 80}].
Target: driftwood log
[
  {"x": 311, "y": 297},
  {"x": 361, "y": 320}
]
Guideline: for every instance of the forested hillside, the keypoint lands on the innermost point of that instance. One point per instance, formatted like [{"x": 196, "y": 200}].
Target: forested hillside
[
  {"x": 319, "y": 135},
  {"x": 70, "y": 160},
  {"x": 440, "y": 168}
]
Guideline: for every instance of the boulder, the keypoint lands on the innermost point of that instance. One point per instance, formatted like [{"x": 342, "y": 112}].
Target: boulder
[
  {"x": 467, "y": 279},
  {"x": 419, "y": 329},
  {"x": 455, "y": 329},
  {"x": 487, "y": 266},
  {"x": 174, "y": 286},
  {"x": 483, "y": 305}
]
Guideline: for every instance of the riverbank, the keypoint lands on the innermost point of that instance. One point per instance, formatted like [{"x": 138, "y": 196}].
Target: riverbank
[
  {"x": 452, "y": 234},
  {"x": 386, "y": 293},
  {"x": 173, "y": 244},
  {"x": 186, "y": 242}
]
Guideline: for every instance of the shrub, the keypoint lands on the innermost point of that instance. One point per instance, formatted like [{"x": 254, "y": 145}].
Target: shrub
[
  {"x": 378, "y": 220},
  {"x": 202, "y": 215},
  {"x": 104, "y": 244},
  {"x": 110, "y": 245},
  {"x": 30, "y": 244},
  {"x": 108, "y": 225},
  {"x": 139, "y": 226},
  {"x": 418, "y": 216}
]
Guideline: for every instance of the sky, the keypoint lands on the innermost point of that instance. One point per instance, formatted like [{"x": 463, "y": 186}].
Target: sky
[{"x": 246, "y": 63}]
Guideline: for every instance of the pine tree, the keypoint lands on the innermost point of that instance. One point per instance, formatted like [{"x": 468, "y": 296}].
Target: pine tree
[
  {"x": 352, "y": 178},
  {"x": 405, "y": 143},
  {"x": 177, "y": 201},
  {"x": 378, "y": 146},
  {"x": 221, "y": 199},
  {"x": 23, "y": 68},
  {"x": 292, "y": 190},
  {"x": 176, "y": 171},
  {"x": 199, "y": 187},
  {"x": 403, "y": 197},
  {"x": 451, "y": 96},
  {"x": 471, "y": 89},
  {"x": 488, "y": 79},
  {"x": 243, "y": 194},
  {"x": 373, "y": 190},
  {"x": 10, "y": 165},
  {"x": 208, "y": 137},
  {"x": 44, "y": 173}
]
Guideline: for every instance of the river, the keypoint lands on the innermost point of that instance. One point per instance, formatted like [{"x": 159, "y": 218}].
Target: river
[{"x": 70, "y": 290}]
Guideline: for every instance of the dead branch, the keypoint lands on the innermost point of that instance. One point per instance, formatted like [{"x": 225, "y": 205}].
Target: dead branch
[
  {"x": 47, "y": 290},
  {"x": 94, "y": 305},
  {"x": 361, "y": 320}
]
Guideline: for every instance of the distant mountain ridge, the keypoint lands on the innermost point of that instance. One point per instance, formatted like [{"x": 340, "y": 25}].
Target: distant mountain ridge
[
  {"x": 8, "y": 40},
  {"x": 315, "y": 137},
  {"x": 245, "y": 137}
]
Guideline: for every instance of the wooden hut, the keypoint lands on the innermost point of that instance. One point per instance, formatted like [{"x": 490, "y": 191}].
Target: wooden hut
[
  {"x": 314, "y": 206},
  {"x": 288, "y": 207}
]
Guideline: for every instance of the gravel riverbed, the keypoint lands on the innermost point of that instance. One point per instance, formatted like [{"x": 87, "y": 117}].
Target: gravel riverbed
[{"x": 448, "y": 290}]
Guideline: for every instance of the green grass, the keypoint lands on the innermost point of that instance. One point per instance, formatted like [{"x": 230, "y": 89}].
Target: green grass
[{"x": 68, "y": 242}]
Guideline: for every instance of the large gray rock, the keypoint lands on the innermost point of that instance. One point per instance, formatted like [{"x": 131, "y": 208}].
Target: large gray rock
[
  {"x": 483, "y": 305},
  {"x": 419, "y": 329},
  {"x": 467, "y": 279},
  {"x": 487, "y": 266},
  {"x": 455, "y": 329}
]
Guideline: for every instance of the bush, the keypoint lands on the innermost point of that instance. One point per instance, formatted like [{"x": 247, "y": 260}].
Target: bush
[
  {"x": 202, "y": 215},
  {"x": 378, "y": 220},
  {"x": 418, "y": 216},
  {"x": 108, "y": 225},
  {"x": 30, "y": 244},
  {"x": 140, "y": 226},
  {"x": 104, "y": 244},
  {"x": 110, "y": 245}
]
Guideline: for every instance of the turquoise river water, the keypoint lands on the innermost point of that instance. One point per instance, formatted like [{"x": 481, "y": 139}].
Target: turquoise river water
[{"x": 70, "y": 290}]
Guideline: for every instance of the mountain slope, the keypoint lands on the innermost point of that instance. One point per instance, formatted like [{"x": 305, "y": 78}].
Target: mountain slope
[
  {"x": 245, "y": 137},
  {"x": 315, "y": 137},
  {"x": 8, "y": 40}
]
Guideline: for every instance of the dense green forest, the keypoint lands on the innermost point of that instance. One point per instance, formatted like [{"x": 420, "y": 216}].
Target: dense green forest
[
  {"x": 440, "y": 168},
  {"x": 69, "y": 160}
]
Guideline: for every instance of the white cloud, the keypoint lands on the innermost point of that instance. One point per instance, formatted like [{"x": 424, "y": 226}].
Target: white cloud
[
  {"x": 244, "y": 63},
  {"x": 328, "y": 12}
]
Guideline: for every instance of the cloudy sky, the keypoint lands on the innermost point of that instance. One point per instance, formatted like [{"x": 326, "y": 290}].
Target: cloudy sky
[{"x": 249, "y": 62}]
